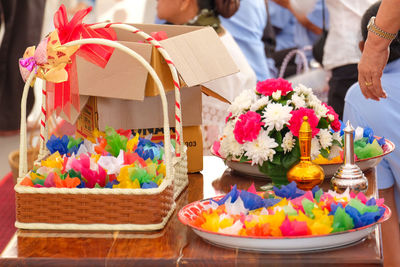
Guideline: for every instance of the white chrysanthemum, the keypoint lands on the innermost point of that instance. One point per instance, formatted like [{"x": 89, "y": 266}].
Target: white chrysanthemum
[
  {"x": 315, "y": 148},
  {"x": 298, "y": 101},
  {"x": 320, "y": 110},
  {"x": 261, "y": 149},
  {"x": 301, "y": 89},
  {"x": 334, "y": 152},
  {"x": 325, "y": 138},
  {"x": 312, "y": 101},
  {"x": 262, "y": 102},
  {"x": 277, "y": 95},
  {"x": 336, "y": 136},
  {"x": 288, "y": 142},
  {"x": 242, "y": 102},
  {"x": 331, "y": 117},
  {"x": 276, "y": 116},
  {"x": 229, "y": 145}
]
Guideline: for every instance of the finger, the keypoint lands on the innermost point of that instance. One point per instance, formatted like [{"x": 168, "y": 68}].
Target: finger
[
  {"x": 370, "y": 85},
  {"x": 377, "y": 87},
  {"x": 363, "y": 87}
]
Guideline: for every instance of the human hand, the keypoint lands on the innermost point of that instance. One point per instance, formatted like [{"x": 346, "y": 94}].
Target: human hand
[{"x": 370, "y": 68}]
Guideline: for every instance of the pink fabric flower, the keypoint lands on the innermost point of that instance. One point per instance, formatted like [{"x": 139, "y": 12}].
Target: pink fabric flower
[
  {"x": 216, "y": 146},
  {"x": 270, "y": 86},
  {"x": 335, "y": 124},
  {"x": 247, "y": 127},
  {"x": 297, "y": 119}
]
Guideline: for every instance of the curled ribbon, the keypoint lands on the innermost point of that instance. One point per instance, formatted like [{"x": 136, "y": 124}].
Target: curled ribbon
[{"x": 28, "y": 63}]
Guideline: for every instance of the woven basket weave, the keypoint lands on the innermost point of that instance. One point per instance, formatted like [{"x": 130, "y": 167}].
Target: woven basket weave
[{"x": 98, "y": 208}]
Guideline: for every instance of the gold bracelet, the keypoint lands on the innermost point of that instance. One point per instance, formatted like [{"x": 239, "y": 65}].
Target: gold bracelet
[{"x": 378, "y": 31}]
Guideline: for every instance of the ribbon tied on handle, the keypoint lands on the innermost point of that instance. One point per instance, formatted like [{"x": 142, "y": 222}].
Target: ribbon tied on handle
[{"x": 56, "y": 64}]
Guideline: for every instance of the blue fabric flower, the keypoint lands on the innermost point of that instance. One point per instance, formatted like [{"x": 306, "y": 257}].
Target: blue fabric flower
[
  {"x": 362, "y": 220},
  {"x": 381, "y": 141},
  {"x": 334, "y": 208},
  {"x": 150, "y": 184},
  {"x": 111, "y": 183},
  {"x": 371, "y": 202},
  {"x": 289, "y": 191},
  {"x": 251, "y": 201},
  {"x": 369, "y": 133},
  {"x": 234, "y": 194},
  {"x": 81, "y": 185},
  {"x": 269, "y": 202},
  {"x": 58, "y": 144}
]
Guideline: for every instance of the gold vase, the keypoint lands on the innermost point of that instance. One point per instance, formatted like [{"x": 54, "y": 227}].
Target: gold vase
[{"x": 306, "y": 173}]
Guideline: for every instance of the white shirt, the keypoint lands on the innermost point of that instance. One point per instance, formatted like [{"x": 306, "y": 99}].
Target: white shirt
[{"x": 341, "y": 47}]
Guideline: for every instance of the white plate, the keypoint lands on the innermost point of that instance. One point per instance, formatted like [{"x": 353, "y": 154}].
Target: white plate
[
  {"x": 329, "y": 169},
  {"x": 276, "y": 244}
]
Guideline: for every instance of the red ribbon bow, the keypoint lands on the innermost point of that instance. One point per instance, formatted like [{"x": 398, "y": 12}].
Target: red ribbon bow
[{"x": 60, "y": 96}]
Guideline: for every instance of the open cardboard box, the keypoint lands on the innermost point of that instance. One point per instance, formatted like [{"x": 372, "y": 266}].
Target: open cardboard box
[{"x": 199, "y": 57}]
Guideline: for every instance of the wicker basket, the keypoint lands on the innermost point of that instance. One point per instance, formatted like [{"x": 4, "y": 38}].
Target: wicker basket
[{"x": 104, "y": 209}]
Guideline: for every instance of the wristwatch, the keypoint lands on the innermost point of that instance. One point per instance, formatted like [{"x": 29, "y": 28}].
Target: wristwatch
[{"x": 378, "y": 31}]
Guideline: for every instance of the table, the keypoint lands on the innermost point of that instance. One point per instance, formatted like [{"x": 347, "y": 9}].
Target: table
[{"x": 177, "y": 245}]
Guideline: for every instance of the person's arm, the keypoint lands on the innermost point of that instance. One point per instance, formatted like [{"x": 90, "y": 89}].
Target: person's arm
[
  {"x": 376, "y": 50},
  {"x": 301, "y": 18}
]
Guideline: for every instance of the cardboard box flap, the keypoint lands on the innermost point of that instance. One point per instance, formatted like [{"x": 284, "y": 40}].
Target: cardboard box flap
[
  {"x": 123, "y": 77},
  {"x": 170, "y": 30},
  {"x": 200, "y": 56}
]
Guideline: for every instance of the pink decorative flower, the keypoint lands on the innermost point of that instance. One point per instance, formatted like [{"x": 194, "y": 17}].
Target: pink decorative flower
[
  {"x": 270, "y": 86},
  {"x": 335, "y": 124},
  {"x": 247, "y": 127},
  {"x": 297, "y": 119}
]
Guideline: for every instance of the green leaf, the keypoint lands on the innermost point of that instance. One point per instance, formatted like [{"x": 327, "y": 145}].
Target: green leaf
[
  {"x": 279, "y": 148},
  {"x": 244, "y": 159},
  {"x": 324, "y": 153},
  {"x": 336, "y": 142},
  {"x": 323, "y": 124},
  {"x": 292, "y": 157},
  {"x": 272, "y": 170},
  {"x": 277, "y": 159},
  {"x": 278, "y": 137}
]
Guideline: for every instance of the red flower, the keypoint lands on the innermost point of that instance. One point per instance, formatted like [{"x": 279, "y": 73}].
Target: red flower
[
  {"x": 270, "y": 86},
  {"x": 247, "y": 127},
  {"x": 297, "y": 119},
  {"x": 335, "y": 124}
]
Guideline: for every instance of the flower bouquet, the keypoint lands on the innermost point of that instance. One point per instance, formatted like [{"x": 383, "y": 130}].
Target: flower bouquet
[{"x": 263, "y": 127}]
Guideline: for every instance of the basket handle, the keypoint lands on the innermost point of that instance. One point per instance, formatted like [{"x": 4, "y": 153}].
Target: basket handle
[
  {"x": 23, "y": 164},
  {"x": 171, "y": 65}
]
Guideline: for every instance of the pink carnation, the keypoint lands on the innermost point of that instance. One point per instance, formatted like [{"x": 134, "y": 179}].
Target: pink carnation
[
  {"x": 297, "y": 119},
  {"x": 247, "y": 127},
  {"x": 335, "y": 124},
  {"x": 270, "y": 86}
]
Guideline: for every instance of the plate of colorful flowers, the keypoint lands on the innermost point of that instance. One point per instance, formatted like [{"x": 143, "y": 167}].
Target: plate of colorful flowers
[
  {"x": 369, "y": 151},
  {"x": 260, "y": 135},
  {"x": 286, "y": 219}
]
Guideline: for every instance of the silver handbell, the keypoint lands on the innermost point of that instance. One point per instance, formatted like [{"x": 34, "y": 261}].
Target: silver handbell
[{"x": 349, "y": 175}]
